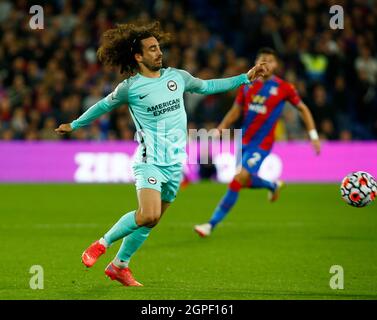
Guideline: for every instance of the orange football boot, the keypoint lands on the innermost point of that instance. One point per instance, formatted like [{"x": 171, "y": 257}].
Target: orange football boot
[
  {"x": 123, "y": 275},
  {"x": 90, "y": 255}
]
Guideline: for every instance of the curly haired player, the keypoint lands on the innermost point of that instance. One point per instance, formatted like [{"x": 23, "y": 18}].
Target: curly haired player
[{"x": 155, "y": 99}]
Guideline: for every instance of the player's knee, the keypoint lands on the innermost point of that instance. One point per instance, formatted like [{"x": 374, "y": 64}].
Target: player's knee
[
  {"x": 148, "y": 217},
  {"x": 242, "y": 178},
  {"x": 152, "y": 220}
]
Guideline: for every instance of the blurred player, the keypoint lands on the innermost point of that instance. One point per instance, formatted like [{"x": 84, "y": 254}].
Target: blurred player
[
  {"x": 155, "y": 99},
  {"x": 260, "y": 104}
]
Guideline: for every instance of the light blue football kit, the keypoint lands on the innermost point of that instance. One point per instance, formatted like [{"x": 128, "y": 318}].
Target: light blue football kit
[{"x": 157, "y": 109}]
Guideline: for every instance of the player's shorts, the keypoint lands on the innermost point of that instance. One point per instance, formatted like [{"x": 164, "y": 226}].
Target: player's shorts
[
  {"x": 164, "y": 179},
  {"x": 252, "y": 158}
]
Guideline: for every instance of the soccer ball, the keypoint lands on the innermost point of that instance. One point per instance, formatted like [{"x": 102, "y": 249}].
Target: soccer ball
[{"x": 358, "y": 189}]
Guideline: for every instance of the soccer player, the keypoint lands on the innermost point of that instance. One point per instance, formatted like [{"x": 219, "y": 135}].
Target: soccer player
[
  {"x": 155, "y": 99},
  {"x": 260, "y": 103}
]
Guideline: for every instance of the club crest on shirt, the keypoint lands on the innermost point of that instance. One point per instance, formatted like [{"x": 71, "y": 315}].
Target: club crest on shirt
[
  {"x": 273, "y": 91},
  {"x": 152, "y": 180},
  {"x": 172, "y": 86}
]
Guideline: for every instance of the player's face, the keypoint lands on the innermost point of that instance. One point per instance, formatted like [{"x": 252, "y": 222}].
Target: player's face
[
  {"x": 271, "y": 63},
  {"x": 152, "y": 54}
]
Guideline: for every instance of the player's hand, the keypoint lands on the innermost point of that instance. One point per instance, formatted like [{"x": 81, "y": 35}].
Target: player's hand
[
  {"x": 317, "y": 146},
  {"x": 64, "y": 128},
  {"x": 259, "y": 70}
]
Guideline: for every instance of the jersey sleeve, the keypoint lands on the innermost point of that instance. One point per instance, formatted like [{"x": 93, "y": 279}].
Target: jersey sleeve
[
  {"x": 240, "y": 98},
  {"x": 213, "y": 86},
  {"x": 292, "y": 94},
  {"x": 115, "y": 99}
]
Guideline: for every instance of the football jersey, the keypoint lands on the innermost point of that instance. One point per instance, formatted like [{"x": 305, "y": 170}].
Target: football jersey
[
  {"x": 262, "y": 103},
  {"x": 157, "y": 109}
]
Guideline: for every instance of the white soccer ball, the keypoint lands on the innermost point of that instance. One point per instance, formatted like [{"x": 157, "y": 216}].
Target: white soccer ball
[{"x": 358, "y": 189}]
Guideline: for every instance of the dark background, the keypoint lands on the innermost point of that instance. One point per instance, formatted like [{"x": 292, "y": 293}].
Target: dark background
[{"x": 51, "y": 76}]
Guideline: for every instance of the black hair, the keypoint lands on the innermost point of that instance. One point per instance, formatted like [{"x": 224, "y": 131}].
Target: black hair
[
  {"x": 119, "y": 45},
  {"x": 267, "y": 50}
]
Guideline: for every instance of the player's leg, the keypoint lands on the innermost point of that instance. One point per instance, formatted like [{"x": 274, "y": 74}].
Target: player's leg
[
  {"x": 151, "y": 207},
  {"x": 148, "y": 186},
  {"x": 274, "y": 188},
  {"x": 226, "y": 204},
  {"x": 148, "y": 183},
  {"x": 123, "y": 227},
  {"x": 256, "y": 182},
  {"x": 148, "y": 177},
  {"x": 252, "y": 159},
  {"x": 148, "y": 201},
  {"x": 136, "y": 222},
  {"x": 230, "y": 197},
  {"x": 164, "y": 206},
  {"x": 252, "y": 165},
  {"x": 147, "y": 216}
]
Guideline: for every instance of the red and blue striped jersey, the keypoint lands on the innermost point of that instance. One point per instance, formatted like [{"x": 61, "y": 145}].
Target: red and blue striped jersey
[{"x": 262, "y": 103}]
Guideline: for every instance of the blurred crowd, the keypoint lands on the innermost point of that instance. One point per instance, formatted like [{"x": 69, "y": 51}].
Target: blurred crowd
[{"x": 51, "y": 76}]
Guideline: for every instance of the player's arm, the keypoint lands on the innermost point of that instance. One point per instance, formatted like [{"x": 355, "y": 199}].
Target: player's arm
[
  {"x": 235, "y": 112},
  {"x": 308, "y": 120},
  {"x": 306, "y": 116},
  {"x": 115, "y": 99},
  {"x": 213, "y": 86}
]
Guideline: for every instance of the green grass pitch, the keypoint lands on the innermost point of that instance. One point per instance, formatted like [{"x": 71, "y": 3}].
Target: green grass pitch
[{"x": 262, "y": 251}]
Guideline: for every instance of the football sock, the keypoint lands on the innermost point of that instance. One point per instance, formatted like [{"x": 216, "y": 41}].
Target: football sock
[
  {"x": 126, "y": 225},
  {"x": 120, "y": 263},
  {"x": 103, "y": 242},
  {"x": 257, "y": 182},
  {"x": 226, "y": 203},
  {"x": 131, "y": 244}
]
